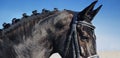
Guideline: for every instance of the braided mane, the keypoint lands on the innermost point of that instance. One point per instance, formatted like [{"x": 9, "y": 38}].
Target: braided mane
[{"x": 25, "y": 23}]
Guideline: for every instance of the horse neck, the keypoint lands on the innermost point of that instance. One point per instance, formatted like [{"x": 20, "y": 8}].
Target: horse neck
[
  {"x": 35, "y": 38},
  {"x": 24, "y": 37}
]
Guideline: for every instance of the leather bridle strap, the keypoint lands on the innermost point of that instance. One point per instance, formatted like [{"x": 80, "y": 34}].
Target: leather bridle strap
[
  {"x": 94, "y": 56},
  {"x": 85, "y": 24},
  {"x": 73, "y": 36}
]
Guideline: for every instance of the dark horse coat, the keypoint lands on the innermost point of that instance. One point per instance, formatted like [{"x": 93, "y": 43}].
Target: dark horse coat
[{"x": 40, "y": 35}]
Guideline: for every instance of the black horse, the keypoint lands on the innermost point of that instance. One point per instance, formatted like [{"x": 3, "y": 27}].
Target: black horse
[{"x": 69, "y": 33}]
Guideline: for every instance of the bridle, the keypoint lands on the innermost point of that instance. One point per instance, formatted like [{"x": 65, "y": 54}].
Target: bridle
[{"x": 73, "y": 38}]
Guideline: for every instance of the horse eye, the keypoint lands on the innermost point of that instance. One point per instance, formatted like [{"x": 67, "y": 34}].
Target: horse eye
[{"x": 85, "y": 37}]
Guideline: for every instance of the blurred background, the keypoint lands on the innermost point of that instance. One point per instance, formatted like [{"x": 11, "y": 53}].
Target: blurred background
[{"x": 107, "y": 21}]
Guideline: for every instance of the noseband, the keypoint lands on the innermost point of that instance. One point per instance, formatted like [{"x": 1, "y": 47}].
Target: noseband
[{"x": 73, "y": 37}]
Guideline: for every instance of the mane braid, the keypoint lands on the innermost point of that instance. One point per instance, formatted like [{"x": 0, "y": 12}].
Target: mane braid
[{"x": 24, "y": 24}]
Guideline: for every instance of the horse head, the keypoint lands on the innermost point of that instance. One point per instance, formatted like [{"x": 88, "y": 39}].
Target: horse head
[{"x": 87, "y": 38}]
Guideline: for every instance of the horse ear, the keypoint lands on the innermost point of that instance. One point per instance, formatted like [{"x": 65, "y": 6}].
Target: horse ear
[
  {"x": 89, "y": 8},
  {"x": 94, "y": 12},
  {"x": 89, "y": 13},
  {"x": 84, "y": 13}
]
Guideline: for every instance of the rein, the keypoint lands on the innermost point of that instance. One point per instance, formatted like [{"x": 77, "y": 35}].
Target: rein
[{"x": 73, "y": 38}]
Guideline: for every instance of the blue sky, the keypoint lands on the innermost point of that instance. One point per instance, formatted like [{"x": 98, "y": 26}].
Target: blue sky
[{"x": 106, "y": 21}]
